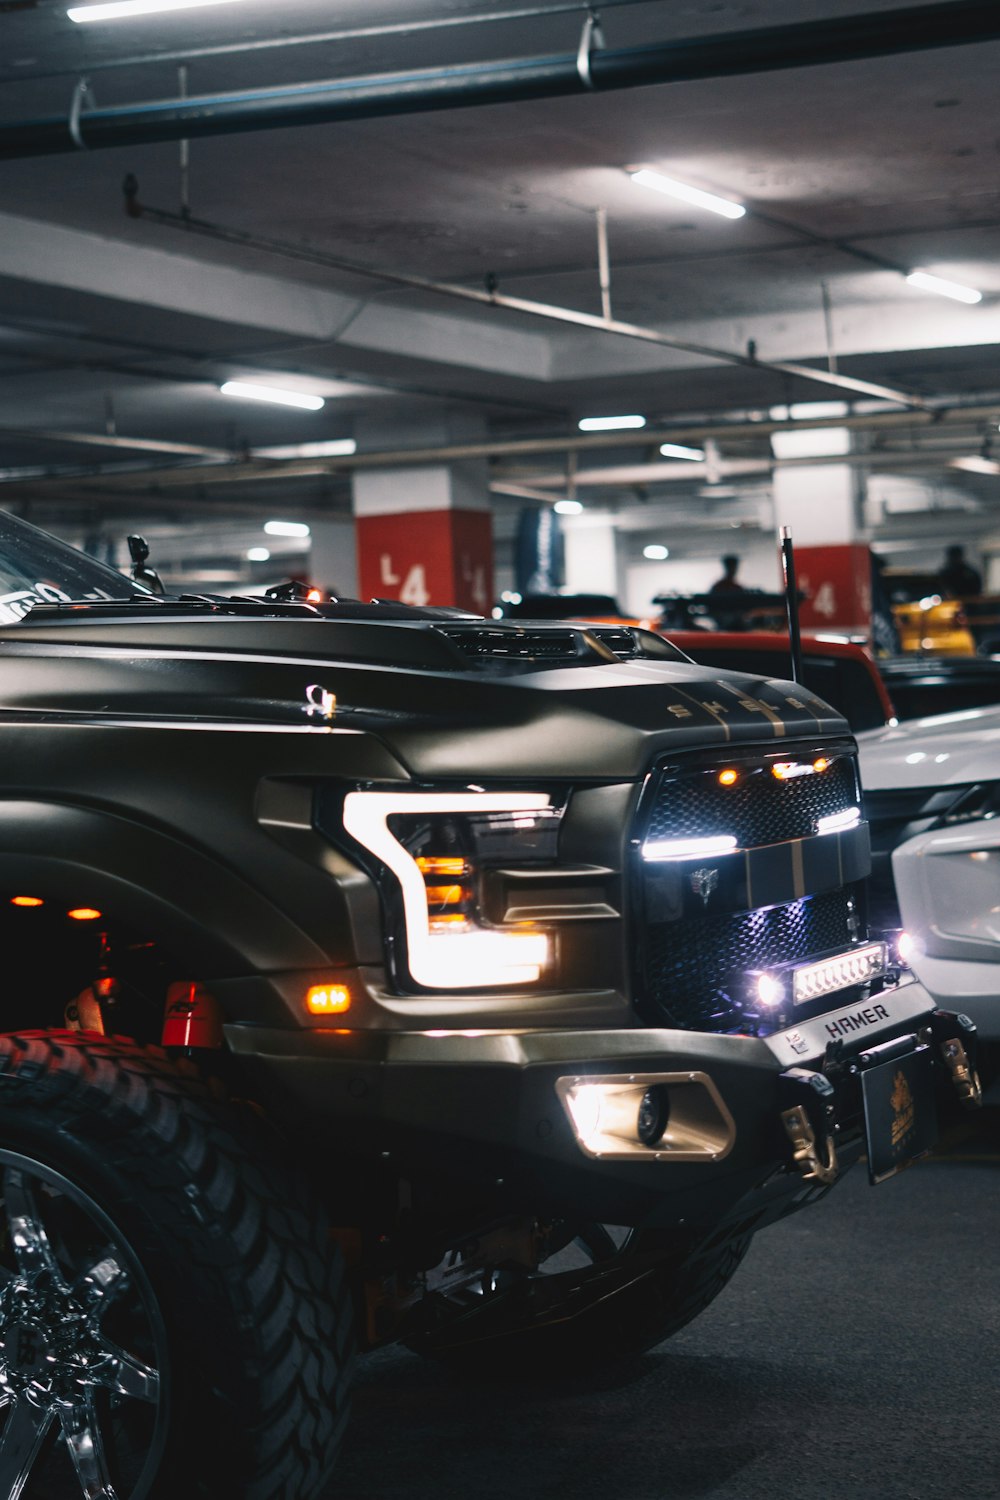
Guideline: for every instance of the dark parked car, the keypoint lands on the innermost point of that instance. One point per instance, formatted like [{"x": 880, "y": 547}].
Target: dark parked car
[
  {"x": 378, "y": 973},
  {"x": 924, "y": 685},
  {"x": 836, "y": 671}
]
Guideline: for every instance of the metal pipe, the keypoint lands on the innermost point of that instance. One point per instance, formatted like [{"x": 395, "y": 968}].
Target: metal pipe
[
  {"x": 604, "y": 263},
  {"x": 762, "y": 49},
  {"x": 223, "y": 461},
  {"x": 492, "y": 297},
  {"x": 345, "y": 34}
]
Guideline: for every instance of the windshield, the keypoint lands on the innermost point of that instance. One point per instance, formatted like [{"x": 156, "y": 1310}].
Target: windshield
[{"x": 36, "y": 568}]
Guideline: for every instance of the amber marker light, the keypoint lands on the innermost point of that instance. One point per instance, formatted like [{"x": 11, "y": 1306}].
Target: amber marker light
[
  {"x": 441, "y": 864},
  {"x": 728, "y": 778},
  {"x": 26, "y": 901},
  {"x": 84, "y": 914},
  {"x": 822, "y": 764},
  {"x": 328, "y": 999},
  {"x": 314, "y": 597}
]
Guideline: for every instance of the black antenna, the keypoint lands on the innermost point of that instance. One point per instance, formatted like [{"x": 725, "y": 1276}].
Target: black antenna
[{"x": 791, "y": 602}]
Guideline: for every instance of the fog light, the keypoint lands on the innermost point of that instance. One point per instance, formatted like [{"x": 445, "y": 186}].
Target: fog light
[
  {"x": 654, "y": 1115},
  {"x": 584, "y": 1104},
  {"x": 770, "y": 991},
  {"x": 906, "y": 947}
]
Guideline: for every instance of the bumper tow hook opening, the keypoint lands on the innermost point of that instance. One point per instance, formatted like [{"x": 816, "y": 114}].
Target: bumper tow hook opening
[
  {"x": 816, "y": 1163},
  {"x": 810, "y": 1121},
  {"x": 956, "y": 1038},
  {"x": 963, "y": 1075}
]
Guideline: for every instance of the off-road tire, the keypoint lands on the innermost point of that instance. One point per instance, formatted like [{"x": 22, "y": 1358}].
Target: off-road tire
[
  {"x": 255, "y": 1308},
  {"x": 639, "y": 1315}
]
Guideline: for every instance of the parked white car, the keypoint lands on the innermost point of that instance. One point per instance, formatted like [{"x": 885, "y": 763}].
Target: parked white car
[{"x": 932, "y": 799}]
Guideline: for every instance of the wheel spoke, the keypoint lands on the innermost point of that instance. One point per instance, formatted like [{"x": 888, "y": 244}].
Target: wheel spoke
[
  {"x": 20, "y": 1441},
  {"x": 127, "y": 1376},
  {"x": 82, "y": 1434},
  {"x": 101, "y": 1283},
  {"x": 27, "y": 1232}
]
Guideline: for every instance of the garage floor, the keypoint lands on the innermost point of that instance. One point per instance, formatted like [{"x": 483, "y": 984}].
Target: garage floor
[{"x": 853, "y": 1356}]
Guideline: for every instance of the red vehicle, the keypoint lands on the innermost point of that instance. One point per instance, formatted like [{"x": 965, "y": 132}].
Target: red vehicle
[{"x": 840, "y": 673}]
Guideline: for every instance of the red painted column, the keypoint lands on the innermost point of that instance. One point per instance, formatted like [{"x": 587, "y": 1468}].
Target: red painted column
[{"x": 420, "y": 541}]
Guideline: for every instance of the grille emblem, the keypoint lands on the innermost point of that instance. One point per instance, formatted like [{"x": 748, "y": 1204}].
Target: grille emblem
[{"x": 703, "y": 883}]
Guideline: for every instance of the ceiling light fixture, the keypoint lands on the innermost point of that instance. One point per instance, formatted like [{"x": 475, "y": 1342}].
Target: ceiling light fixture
[
  {"x": 609, "y": 424},
  {"x": 335, "y": 448},
  {"x": 678, "y": 450},
  {"x": 944, "y": 288},
  {"x": 273, "y": 393},
  {"x": 674, "y": 189},
  {"x": 286, "y": 528},
  {"x": 568, "y": 507},
  {"x": 656, "y": 552},
  {"x": 116, "y": 10},
  {"x": 258, "y": 554}
]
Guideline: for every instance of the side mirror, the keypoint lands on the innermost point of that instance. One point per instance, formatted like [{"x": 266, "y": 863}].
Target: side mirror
[{"x": 138, "y": 551}]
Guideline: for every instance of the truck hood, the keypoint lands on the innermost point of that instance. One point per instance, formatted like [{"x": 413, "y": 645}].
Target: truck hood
[
  {"x": 445, "y": 698},
  {"x": 949, "y": 749}
]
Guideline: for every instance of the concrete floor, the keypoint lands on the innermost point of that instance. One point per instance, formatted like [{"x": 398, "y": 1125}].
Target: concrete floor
[{"x": 854, "y": 1356}]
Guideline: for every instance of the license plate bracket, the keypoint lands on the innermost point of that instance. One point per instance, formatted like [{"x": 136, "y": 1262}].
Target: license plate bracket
[{"x": 900, "y": 1110}]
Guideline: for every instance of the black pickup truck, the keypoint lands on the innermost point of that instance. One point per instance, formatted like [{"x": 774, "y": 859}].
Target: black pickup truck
[{"x": 385, "y": 974}]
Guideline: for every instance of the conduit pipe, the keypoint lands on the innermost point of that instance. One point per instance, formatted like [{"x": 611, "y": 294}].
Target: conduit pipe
[
  {"x": 801, "y": 44},
  {"x": 491, "y": 296}
]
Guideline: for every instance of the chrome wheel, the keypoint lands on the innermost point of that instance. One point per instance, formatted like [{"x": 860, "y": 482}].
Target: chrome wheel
[{"x": 82, "y": 1347}]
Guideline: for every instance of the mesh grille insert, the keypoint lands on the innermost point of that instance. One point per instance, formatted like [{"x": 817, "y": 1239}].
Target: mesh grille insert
[
  {"x": 695, "y": 967},
  {"x": 759, "y": 809}
]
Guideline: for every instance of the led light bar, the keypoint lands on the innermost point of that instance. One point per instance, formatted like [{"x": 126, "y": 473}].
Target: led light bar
[
  {"x": 461, "y": 959},
  {"x": 839, "y": 822},
  {"x": 837, "y": 973},
  {"x": 658, "y": 849}
]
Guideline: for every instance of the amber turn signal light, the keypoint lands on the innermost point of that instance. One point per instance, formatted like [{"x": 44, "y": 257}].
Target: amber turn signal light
[
  {"x": 26, "y": 901},
  {"x": 84, "y": 914},
  {"x": 328, "y": 999},
  {"x": 728, "y": 777}
]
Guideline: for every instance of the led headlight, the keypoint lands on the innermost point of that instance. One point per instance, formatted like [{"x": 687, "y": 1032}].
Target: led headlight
[{"x": 437, "y": 845}]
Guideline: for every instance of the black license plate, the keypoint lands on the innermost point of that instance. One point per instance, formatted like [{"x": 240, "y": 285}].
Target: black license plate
[{"x": 900, "y": 1112}]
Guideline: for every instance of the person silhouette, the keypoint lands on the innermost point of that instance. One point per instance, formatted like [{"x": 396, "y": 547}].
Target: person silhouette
[{"x": 956, "y": 576}]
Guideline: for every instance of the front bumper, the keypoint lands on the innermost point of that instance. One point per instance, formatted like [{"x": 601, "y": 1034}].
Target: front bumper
[{"x": 487, "y": 1108}]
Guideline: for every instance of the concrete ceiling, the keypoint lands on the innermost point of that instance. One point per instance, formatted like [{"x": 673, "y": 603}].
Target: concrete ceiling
[{"x": 119, "y": 327}]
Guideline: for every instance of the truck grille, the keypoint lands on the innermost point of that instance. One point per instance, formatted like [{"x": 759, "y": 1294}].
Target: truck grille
[
  {"x": 695, "y": 968},
  {"x": 695, "y": 956},
  {"x": 758, "y": 809}
]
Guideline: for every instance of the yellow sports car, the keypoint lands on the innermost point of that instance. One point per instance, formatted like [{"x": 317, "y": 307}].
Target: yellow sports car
[{"x": 925, "y": 619}]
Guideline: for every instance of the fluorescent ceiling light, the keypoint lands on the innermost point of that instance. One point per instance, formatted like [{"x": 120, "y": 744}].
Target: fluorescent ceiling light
[
  {"x": 656, "y": 552},
  {"x": 568, "y": 507},
  {"x": 678, "y": 450},
  {"x": 286, "y": 528},
  {"x": 958, "y": 293},
  {"x": 674, "y": 189},
  {"x": 258, "y": 554},
  {"x": 609, "y": 424},
  {"x": 336, "y": 448},
  {"x": 120, "y": 9},
  {"x": 276, "y": 394}
]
